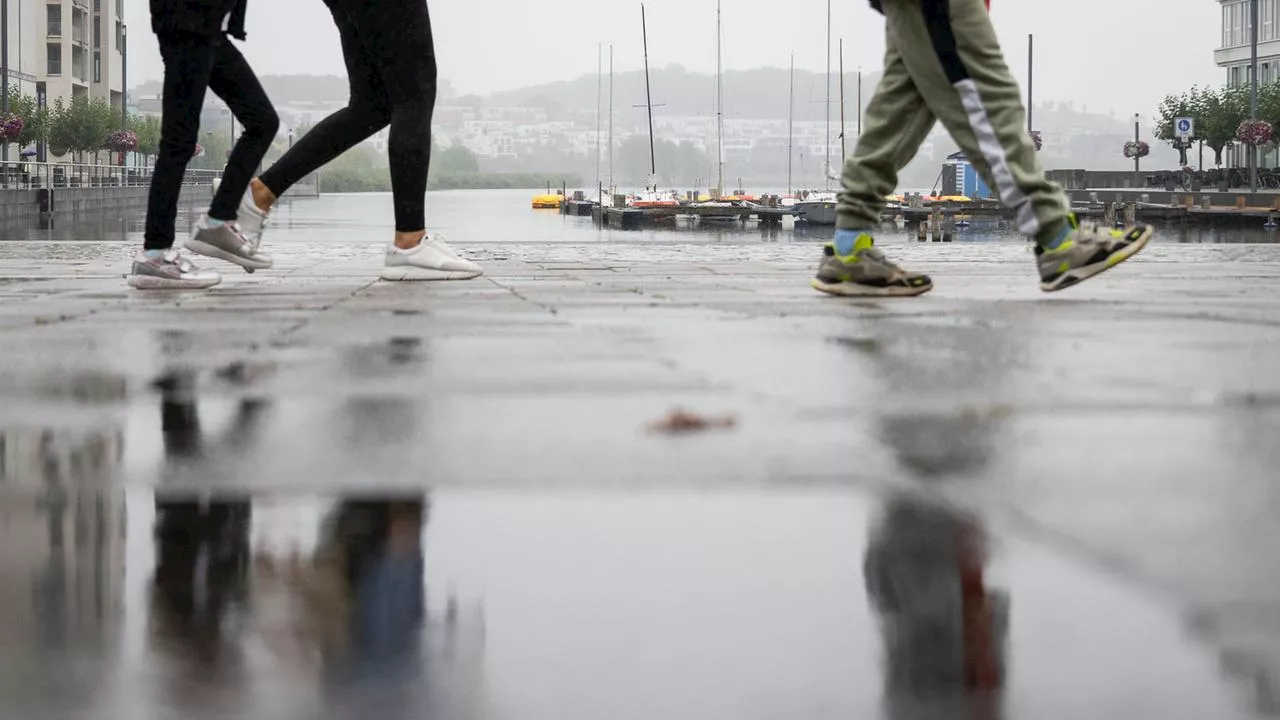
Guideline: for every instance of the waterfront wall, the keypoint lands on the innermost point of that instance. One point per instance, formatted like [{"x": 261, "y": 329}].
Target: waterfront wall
[{"x": 22, "y": 206}]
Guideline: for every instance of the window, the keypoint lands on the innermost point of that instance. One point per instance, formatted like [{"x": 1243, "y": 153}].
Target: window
[
  {"x": 97, "y": 66},
  {"x": 1266, "y": 29},
  {"x": 55, "y": 20},
  {"x": 97, "y": 5},
  {"x": 97, "y": 31},
  {"x": 55, "y": 59}
]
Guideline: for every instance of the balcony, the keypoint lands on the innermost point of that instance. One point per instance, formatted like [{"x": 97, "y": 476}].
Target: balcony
[{"x": 1268, "y": 50}]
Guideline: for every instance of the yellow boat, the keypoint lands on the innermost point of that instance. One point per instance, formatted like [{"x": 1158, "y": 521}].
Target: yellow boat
[{"x": 547, "y": 202}]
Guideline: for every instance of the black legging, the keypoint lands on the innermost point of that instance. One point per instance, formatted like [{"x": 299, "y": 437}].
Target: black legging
[
  {"x": 194, "y": 64},
  {"x": 391, "y": 63}
]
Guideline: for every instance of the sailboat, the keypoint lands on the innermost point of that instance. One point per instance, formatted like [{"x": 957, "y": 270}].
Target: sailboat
[
  {"x": 650, "y": 197},
  {"x": 819, "y": 208},
  {"x": 718, "y": 201}
]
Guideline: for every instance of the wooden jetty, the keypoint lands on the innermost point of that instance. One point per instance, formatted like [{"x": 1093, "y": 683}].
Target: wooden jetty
[{"x": 629, "y": 218}]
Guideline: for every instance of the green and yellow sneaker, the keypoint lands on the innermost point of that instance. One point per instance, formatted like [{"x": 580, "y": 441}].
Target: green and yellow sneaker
[
  {"x": 1088, "y": 250},
  {"x": 866, "y": 273}
]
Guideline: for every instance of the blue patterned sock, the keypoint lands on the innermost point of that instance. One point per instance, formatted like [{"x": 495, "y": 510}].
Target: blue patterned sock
[
  {"x": 845, "y": 240},
  {"x": 1054, "y": 237},
  {"x": 212, "y": 223}
]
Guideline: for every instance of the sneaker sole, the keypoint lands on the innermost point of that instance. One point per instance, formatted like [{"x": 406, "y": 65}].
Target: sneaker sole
[
  {"x": 417, "y": 274},
  {"x": 1080, "y": 274},
  {"x": 150, "y": 282},
  {"x": 203, "y": 248},
  {"x": 856, "y": 290}
]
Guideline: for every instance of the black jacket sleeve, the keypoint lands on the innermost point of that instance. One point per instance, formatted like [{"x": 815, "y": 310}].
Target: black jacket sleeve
[{"x": 198, "y": 17}]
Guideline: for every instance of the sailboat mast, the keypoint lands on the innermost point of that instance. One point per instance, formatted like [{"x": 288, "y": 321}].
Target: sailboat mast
[
  {"x": 791, "y": 120},
  {"x": 599, "y": 111},
  {"x": 648, "y": 97},
  {"x": 610, "y": 118},
  {"x": 719, "y": 108},
  {"x": 843, "y": 153},
  {"x": 827, "y": 171}
]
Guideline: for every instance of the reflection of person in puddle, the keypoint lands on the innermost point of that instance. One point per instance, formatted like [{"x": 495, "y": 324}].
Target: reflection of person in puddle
[
  {"x": 201, "y": 573},
  {"x": 184, "y": 440},
  {"x": 362, "y": 594},
  {"x": 942, "y": 628}
]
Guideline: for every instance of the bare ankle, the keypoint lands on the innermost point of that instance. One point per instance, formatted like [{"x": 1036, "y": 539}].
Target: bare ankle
[
  {"x": 410, "y": 240},
  {"x": 263, "y": 198}
]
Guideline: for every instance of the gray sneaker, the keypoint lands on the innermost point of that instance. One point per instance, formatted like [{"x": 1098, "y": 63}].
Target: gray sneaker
[
  {"x": 252, "y": 221},
  {"x": 170, "y": 271},
  {"x": 1087, "y": 251},
  {"x": 866, "y": 273},
  {"x": 225, "y": 242}
]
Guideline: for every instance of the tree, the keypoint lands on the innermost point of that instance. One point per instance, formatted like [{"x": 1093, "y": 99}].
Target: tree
[
  {"x": 148, "y": 132},
  {"x": 80, "y": 126},
  {"x": 36, "y": 118},
  {"x": 455, "y": 159},
  {"x": 1218, "y": 113}
]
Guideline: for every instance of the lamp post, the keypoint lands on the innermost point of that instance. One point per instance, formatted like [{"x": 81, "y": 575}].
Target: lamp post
[
  {"x": 124, "y": 77},
  {"x": 290, "y": 138},
  {"x": 4, "y": 70},
  {"x": 1137, "y": 138},
  {"x": 859, "y": 102},
  {"x": 1031, "y": 81},
  {"x": 1253, "y": 90}
]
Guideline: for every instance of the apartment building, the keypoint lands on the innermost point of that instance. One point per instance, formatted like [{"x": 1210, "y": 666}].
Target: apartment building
[
  {"x": 67, "y": 48},
  {"x": 1234, "y": 55}
]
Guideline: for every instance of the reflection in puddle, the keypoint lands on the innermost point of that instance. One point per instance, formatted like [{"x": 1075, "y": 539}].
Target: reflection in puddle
[{"x": 944, "y": 630}]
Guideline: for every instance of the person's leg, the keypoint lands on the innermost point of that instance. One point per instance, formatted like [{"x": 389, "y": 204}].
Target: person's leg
[
  {"x": 897, "y": 121},
  {"x": 952, "y": 54},
  {"x": 398, "y": 42},
  {"x": 235, "y": 82},
  {"x": 216, "y": 234},
  {"x": 367, "y": 112},
  {"x": 188, "y": 63}
]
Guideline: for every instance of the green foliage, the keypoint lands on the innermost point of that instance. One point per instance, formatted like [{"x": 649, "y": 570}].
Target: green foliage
[
  {"x": 454, "y": 160},
  {"x": 1217, "y": 112},
  {"x": 363, "y": 169},
  {"x": 148, "y": 131},
  {"x": 678, "y": 164},
  {"x": 81, "y": 125},
  {"x": 36, "y": 119}
]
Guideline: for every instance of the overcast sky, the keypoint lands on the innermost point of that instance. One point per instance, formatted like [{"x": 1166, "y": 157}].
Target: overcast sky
[{"x": 1111, "y": 55}]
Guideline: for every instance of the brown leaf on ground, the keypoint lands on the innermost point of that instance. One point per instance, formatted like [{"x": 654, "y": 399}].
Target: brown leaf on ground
[{"x": 682, "y": 421}]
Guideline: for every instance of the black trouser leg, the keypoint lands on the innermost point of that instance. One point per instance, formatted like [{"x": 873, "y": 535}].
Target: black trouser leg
[
  {"x": 188, "y": 64},
  {"x": 234, "y": 81},
  {"x": 390, "y": 57}
]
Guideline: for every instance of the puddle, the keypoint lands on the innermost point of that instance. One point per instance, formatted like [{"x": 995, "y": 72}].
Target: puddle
[{"x": 817, "y": 604}]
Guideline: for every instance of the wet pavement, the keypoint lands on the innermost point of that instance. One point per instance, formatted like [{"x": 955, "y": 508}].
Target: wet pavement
[{"x": 985, "y": 502}]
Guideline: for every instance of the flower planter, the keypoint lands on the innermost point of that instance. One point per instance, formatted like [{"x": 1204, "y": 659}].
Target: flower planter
[
  {"x": 1170, "y": 183},
  {"x": 1224, "y": 186}
]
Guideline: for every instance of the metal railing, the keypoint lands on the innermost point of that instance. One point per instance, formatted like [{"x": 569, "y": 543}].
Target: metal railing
[{"x": 21, "y": 175}]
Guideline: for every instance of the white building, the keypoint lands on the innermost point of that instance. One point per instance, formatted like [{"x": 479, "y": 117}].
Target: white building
[
  {"x": 1234, "y": 53},
  {"x": 60, "y": 49}
]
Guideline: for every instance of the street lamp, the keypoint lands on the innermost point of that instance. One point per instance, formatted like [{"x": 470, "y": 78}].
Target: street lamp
[
  {"x": 1253, "y": 90},
  {"x": 290, "y": 138},
  {"x": 859, "y": 102},
  {"x": 1137, "y": 138},
  {"x": 124, "y": 77},
  {"x": 4, "y": 69}
]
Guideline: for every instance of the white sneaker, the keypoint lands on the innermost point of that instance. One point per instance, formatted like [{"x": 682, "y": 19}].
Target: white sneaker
[{"x": 432, "y": 259}]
